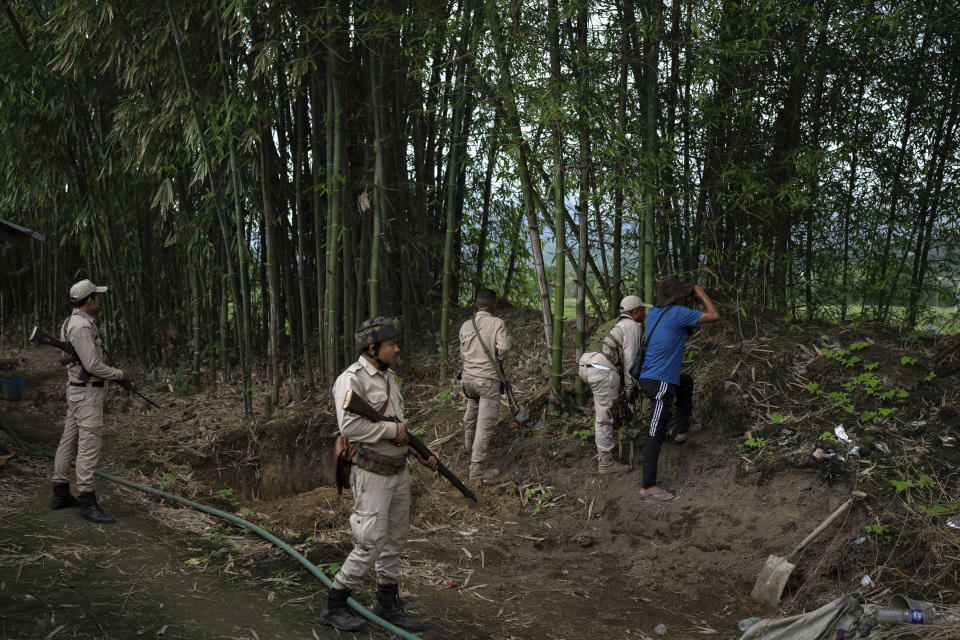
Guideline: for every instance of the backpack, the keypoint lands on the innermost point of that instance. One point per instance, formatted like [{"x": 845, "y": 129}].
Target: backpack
[{"x": 601, "y": 343}]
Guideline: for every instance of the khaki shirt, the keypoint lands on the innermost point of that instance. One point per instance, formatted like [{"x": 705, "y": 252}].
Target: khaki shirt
[
  {"x": 494, "y": 333},
  {"x": 80, "y": 330},
  {"x": 369, "y": 383},
  {"x": 630, "y": 334}
]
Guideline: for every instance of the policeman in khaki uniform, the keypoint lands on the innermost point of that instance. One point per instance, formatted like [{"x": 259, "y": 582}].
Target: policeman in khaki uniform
[
  {"x": 83, "y": 426},
  {"x": 605, "y": 366},
  {"x": 379, "y": 479},
  {"x": 483, "y": 341}
]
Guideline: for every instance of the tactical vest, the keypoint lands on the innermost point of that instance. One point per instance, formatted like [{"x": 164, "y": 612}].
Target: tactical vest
[{"x": 605, "y": 343}]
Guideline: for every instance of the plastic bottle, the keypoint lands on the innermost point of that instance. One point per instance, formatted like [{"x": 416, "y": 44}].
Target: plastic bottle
[
  {"x": 913, "y": 616},
  {"x": 746, "y": 623}
]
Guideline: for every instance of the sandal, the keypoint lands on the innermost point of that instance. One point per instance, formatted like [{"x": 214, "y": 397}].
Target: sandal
[
  {"x": 660, "y": 496},
  {"x": 680, "y": 438}
]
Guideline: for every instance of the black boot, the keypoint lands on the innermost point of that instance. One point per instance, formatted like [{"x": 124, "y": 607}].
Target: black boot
[
  {"x": 62, "y": 498},
  {"x": 337, "y": 613},
  {"x": 90, "y": 510},
  {"x": 389, "y": 608}
]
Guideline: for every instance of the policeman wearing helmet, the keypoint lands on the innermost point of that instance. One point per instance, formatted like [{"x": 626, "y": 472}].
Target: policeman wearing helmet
[{"x": 379, "y": 478}]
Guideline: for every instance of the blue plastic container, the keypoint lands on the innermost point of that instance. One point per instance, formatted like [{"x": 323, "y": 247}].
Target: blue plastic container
[{"x": 12, "y": 388}]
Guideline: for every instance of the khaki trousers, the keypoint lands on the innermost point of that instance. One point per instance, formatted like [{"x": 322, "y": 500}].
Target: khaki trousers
[
  {"x": 82, "y": 436},
  {"x": 605, "y": 384},
  {"x": 480, "y": 418},
  {"x": 379, "y": 522}
]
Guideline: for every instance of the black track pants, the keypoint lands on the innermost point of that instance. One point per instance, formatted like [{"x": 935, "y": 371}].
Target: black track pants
[{"x": 661, "y": 396}]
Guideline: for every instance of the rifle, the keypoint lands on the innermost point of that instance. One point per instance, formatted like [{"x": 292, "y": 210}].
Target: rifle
[
  {"x": 623, "y": 415},
  {"x": 520, "y": 414},
  {"x": 39, "y": 337},
  {"x": 355, "y": 404}
]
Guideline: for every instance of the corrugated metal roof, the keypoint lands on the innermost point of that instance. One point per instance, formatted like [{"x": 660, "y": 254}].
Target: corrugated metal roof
[{"x": 14, "y": 233}]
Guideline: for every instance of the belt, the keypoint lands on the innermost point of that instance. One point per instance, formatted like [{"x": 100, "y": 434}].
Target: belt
[
  {"x": 379, "y": 464},
  {"x": 95, "y": 383},
  {"x": 600, "y": 366}
]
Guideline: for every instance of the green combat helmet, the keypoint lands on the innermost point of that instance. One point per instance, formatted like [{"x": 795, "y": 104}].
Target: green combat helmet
[{"x": 376, "y": 330}]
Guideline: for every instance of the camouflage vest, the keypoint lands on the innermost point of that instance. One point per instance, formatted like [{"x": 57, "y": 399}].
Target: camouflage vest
[{"x": 604, "y": 343}]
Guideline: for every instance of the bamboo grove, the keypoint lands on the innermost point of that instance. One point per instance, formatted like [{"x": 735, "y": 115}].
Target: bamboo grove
[{"x": 252, "y": 179}]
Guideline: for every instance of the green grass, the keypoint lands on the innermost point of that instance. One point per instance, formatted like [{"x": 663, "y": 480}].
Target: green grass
[
  {"x": 944, "y": 319},
  {"x": 570, "y": 308}
]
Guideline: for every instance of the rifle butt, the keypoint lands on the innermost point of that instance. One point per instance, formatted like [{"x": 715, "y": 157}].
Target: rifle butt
[
  {"x": 39, "y": 337},
  {"x": 514, "y": 406},
  {"x": 355, "y": 404}
]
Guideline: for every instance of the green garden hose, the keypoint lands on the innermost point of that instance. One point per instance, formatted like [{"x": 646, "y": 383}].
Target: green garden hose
[{"x": 296, "y": 555}]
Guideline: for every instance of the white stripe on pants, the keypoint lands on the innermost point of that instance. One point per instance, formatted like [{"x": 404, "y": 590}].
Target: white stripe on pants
[
  {"x": 658, "y": 407},
  {"x": 661, "y": 395}
]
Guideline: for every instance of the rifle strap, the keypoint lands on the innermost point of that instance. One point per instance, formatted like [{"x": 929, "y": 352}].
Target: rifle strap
[
  {"x": 352, "y": 449},
  {"x": 386, "y": 404},
  {"x": 495, "y": 363},
  {"x": 646, "y": 340},
  {"x": 64, "y": 328}
]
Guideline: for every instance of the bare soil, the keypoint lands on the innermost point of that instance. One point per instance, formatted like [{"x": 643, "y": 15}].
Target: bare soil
[{"x": 557, "y": 551}]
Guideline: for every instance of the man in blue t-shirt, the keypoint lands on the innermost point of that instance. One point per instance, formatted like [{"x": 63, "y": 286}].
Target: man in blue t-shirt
[{"x": 660, "y": 379}]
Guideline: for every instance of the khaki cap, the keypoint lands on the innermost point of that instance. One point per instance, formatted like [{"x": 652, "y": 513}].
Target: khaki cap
[
  {"x": 82, "y": 289},
  {"x": 629, "y": 303}
]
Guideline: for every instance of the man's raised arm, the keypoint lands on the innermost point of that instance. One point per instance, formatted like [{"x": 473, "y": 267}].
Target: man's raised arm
[{"x": 711, "y": 314}]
